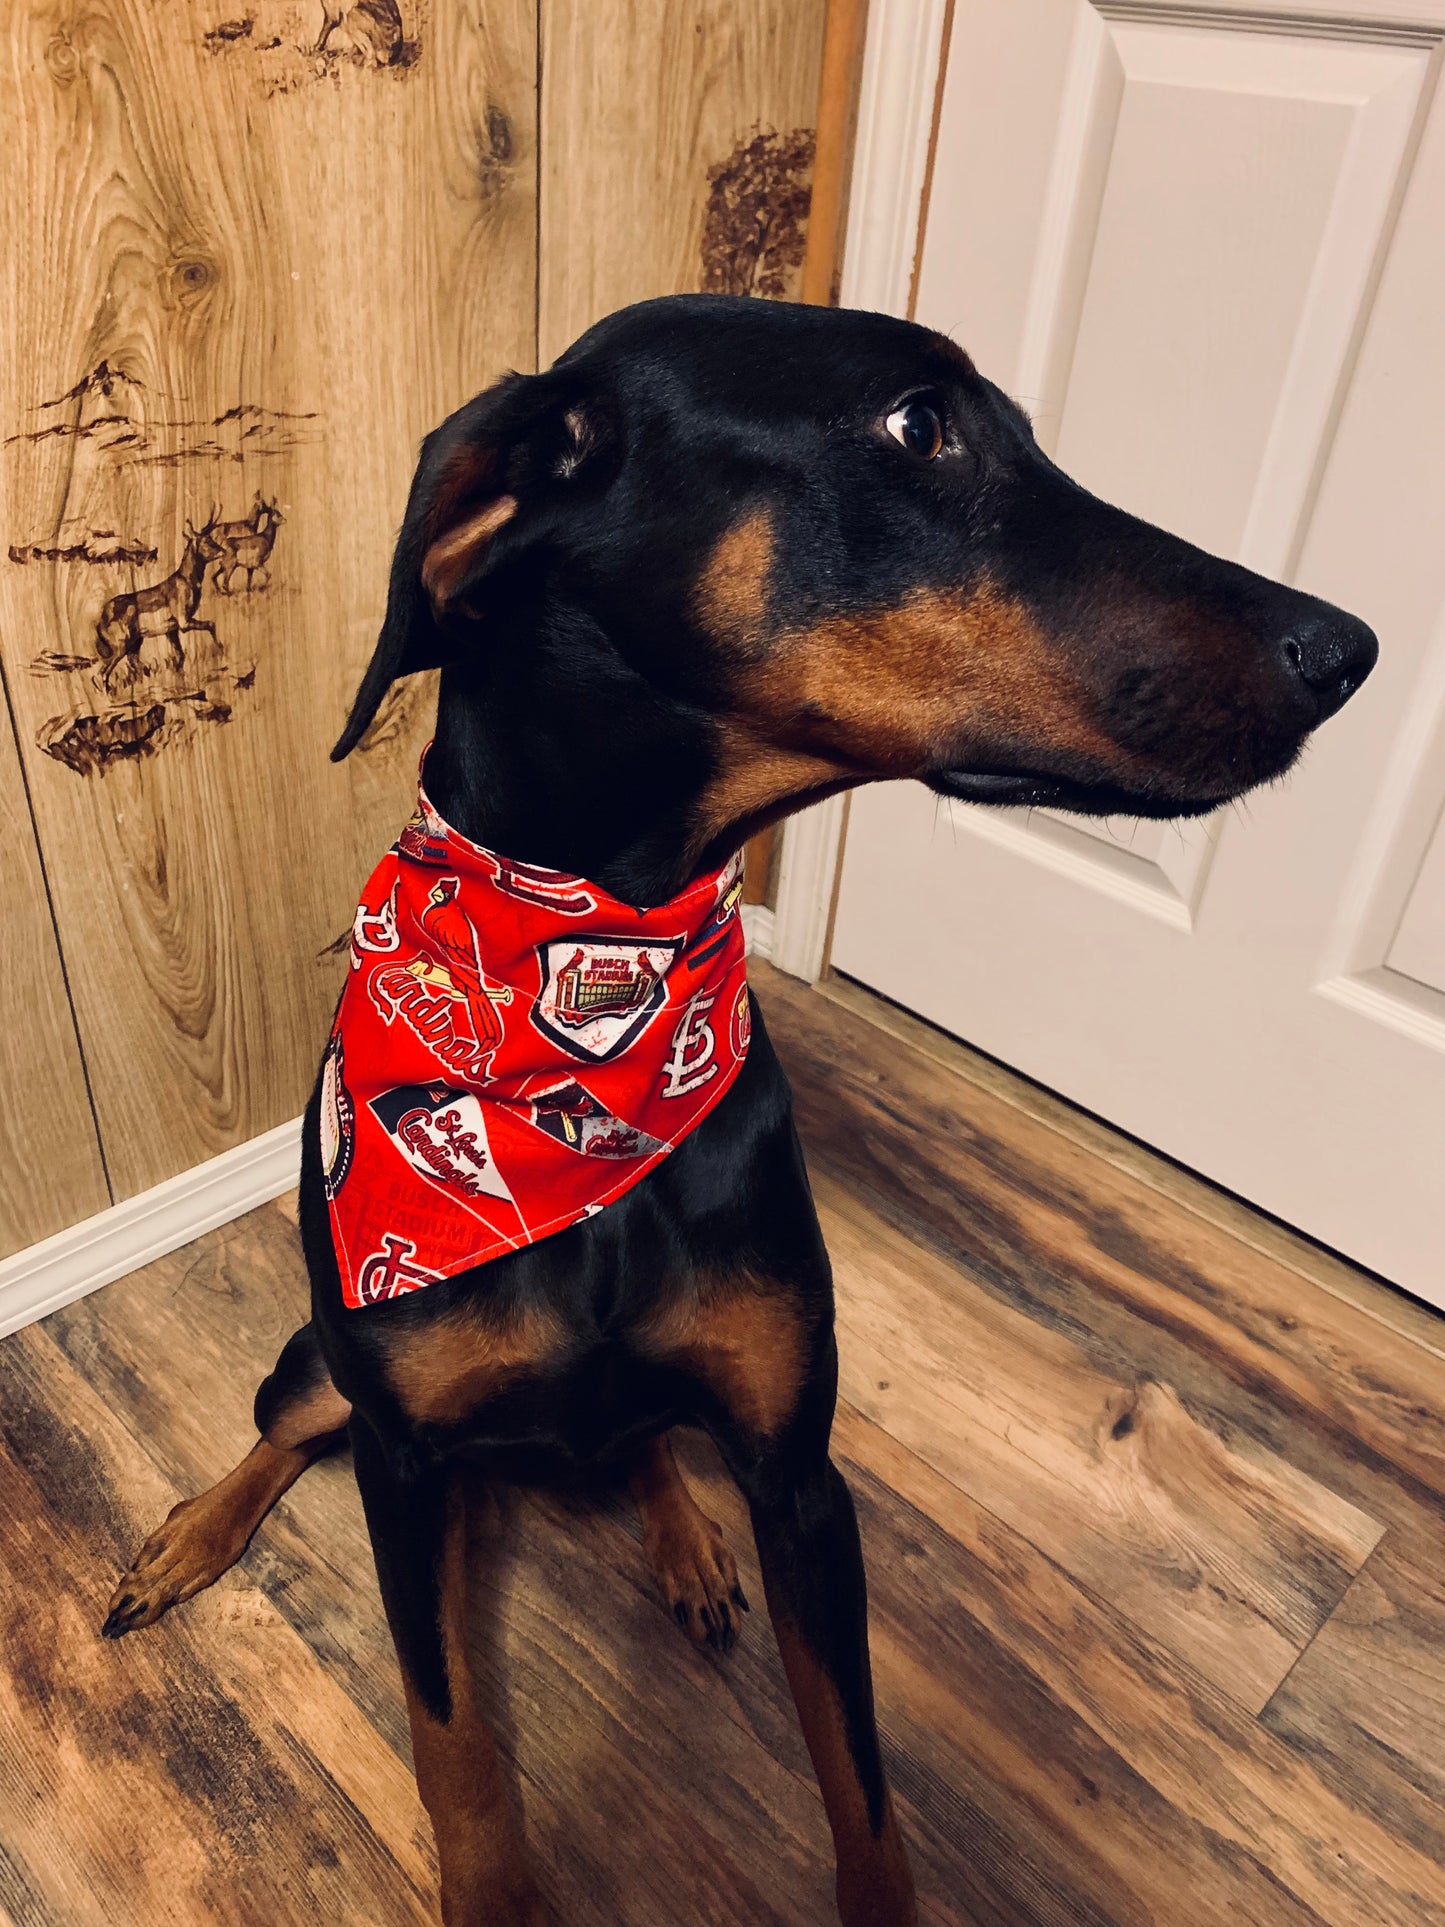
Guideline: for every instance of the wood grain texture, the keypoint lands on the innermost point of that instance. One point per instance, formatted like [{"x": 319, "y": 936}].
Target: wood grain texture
[
  {"x": 1225, "y": 1552},
  {"x": 839, "y": 83},
  {"x": 676, "y": 152},
  {"x": 1090, "y": 1248},
  {"x": 220, "y": 1779},
  {"x": 1371, "y": 1691},
  {"x": 760, "y": 883},
  {"x": 1266, "y": 1813},
  {"x": 1421, "y": 1324},
  {"x": 1067, "y": 1751},
  {"x": 237, "y": 270},
  {"x": 50, "y": 1166}
]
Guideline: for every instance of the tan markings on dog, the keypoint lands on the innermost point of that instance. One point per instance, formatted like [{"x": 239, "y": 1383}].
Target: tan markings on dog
[
  {"x": 756, "y": 781},
  {"x": 310, "y": 1415},
  {"x": 696, "y": 1573},
  {"x": 203, "y": 1537},
  {"x": 895, "y": 689},
  {"x": 452, "y": 554},
  {"x": 484, "y": 1873},
  {"x": 748, "y": 1343},
  {"x": 447, "y": 1369},
  {"x": 731, "y": 597},
  {"x": 874, "y": 1878},
  {"x": 893, "y": 692}
]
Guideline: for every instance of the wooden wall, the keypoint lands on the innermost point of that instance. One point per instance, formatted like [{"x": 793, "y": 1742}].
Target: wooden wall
[
  {"x": 677, "y": 148},
  {"x": 246, "y": 264}
]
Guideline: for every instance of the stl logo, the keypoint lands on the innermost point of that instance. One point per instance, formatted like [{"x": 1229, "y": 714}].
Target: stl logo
[
  {"x": 374, "y": 932},
  {"x": 693, "y": 1060},
  {"x": 390, "y": 1272},
  {"x": 553, "y": 889}
]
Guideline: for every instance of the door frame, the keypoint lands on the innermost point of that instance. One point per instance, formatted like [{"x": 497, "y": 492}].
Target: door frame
[{"x": 903, "y": 69}]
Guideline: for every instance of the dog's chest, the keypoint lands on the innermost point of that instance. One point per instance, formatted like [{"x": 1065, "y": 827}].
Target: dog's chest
[
  {"x": 590, "y": 1411},
  {"x": 582, "y": 1396}
]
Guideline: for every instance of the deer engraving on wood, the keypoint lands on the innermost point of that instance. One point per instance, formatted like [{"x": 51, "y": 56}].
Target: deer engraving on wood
[
  {"x": 164, "y": 610},
  {"x": 277, "y": 40},
  {"x": 247, "y": 546}
]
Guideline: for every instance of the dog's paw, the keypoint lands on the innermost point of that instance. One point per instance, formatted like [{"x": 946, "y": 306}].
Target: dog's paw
[
  {"x": 195, "y": 1545},
  {"x": 699, "y": 1580}
]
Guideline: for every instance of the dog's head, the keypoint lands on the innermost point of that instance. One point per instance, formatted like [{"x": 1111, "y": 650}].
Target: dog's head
[{"x": 828, "y": 550}]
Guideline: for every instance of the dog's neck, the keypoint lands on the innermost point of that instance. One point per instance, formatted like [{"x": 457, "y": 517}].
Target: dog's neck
[{"x": 598, "y": 776}]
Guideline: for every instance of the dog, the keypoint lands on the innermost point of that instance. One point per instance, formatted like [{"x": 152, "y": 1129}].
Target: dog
[{"x": 722, "y": 559}]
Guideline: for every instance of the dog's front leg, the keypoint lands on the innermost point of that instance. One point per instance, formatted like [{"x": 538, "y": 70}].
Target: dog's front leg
[
  {"x": 417, "y": 1522},
  {"x": 812, "y": 1564}
]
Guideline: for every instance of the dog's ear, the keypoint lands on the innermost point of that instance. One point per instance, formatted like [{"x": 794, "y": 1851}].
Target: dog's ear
[{"x": 474, "y": 474}]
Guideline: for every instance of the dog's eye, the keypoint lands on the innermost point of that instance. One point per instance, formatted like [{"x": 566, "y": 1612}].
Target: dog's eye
[{"x": 916, "y": 426}]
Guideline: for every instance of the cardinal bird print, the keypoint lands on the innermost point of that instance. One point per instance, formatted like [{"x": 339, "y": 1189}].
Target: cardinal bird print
[{"x": 445, "y": 997}]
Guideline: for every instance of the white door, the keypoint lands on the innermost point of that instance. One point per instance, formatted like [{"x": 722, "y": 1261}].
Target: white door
[{"x": 1206, "y": 248}]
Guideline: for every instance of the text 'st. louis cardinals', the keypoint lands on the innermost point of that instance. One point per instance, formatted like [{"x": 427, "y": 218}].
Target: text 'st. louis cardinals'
[{"x": 514, "y": 1048}]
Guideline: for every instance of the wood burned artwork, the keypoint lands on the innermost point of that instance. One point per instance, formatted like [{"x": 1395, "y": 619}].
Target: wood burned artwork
[
  {"x": 158, "y": 614},
  {"x": 103, "y": 546},
  {"x": 290, "y": 44},
  {"x": 755, "y": 226},
  {"x": 246, "y": 547},
  {"x": 158, "y": 669},
  {"x": 107, "y": 423}
]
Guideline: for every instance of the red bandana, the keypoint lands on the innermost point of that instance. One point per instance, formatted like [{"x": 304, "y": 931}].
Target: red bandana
[{"x": 514, "y": 1048}]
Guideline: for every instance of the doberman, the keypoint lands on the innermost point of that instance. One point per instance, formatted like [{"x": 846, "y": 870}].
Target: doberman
[{"x": 722, "y": 559}]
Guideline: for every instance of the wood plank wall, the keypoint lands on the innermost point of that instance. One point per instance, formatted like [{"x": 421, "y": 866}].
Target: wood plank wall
[
  {"x": 50, "y": 1166},
  {"x": 248, "y": 260},
  {"x": 677, "y": 151}
]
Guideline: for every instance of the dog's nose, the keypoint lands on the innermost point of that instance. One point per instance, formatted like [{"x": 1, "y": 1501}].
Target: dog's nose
[{"x": 1331, "y": 654}]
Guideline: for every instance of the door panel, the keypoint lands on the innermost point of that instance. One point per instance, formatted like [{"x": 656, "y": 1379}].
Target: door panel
[
  {"x": 1219, "y": 293},
  {"x": 1237, "y": 320},
  {"x": 1418, "y": 949}
]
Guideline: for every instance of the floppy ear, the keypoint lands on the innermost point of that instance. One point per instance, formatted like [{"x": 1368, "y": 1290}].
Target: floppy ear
[{"x": 461, "y": 495}]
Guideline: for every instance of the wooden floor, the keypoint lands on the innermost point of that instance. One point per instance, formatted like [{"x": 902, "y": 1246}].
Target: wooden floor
[{"x": 1155, "y": 1537}]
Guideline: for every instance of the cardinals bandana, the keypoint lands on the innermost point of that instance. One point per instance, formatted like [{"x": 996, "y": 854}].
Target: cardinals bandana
[{"x": 514, "y": 1048}]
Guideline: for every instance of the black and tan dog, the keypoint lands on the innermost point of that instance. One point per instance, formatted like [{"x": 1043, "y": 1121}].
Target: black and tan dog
[{"x": 723, "y": 559}]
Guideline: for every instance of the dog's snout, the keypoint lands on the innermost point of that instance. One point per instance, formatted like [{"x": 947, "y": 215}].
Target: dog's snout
[{"x": 1331, "y": 653}]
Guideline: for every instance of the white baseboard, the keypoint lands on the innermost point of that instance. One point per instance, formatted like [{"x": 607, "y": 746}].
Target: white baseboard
[
  {"x": 129, "y": 1235},
  {"x": 758, "y": 929},
  {"x": 807, "y": 871}
]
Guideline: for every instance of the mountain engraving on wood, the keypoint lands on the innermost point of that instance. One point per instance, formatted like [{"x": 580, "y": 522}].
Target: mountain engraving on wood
[{"x": 158, "y": 669}]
